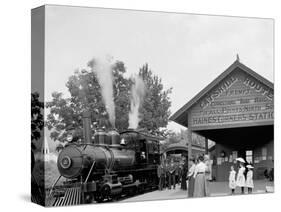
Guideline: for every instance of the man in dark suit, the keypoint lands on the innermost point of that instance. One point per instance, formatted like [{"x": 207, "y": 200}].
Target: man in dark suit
[
  {"x": 177, "y": 173},
  {"x": 171, "y": 175}
]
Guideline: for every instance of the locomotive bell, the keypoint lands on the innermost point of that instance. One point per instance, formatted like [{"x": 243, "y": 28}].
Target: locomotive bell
[{"x": 123, "y": 142}]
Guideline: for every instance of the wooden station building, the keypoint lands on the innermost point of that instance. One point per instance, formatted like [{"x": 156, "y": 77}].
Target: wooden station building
[{"x": 236, "y": 111}]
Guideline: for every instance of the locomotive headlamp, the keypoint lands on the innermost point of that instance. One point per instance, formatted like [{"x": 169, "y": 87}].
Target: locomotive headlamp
[{"x": 65, "y": 162}]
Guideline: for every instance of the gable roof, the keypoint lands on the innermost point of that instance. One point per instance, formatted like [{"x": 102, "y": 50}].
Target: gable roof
[{"x": 180, "y": 116}]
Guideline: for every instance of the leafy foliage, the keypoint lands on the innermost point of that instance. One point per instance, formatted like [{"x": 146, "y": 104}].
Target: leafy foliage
[
  {"x": 155, "y": 109},
  {"x": 84, "y": 89},
  {"x": 37, "y": 121},
  {"x": 59, "y": 147}
]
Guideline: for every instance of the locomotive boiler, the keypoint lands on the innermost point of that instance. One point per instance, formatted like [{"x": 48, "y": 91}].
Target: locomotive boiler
[
  {"x": 107, "y": 165},
  {"x": 77, "y": 160}
]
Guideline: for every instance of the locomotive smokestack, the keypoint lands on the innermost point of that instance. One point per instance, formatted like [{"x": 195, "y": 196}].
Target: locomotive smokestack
[{"x": 87, "y": 131}]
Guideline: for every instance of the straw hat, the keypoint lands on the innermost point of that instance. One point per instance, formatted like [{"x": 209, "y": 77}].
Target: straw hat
[
  {"x": 249, "y": 166},
  {"x": 241, "y": 160}
]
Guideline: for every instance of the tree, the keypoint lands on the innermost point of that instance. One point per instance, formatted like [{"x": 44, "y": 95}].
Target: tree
[
  {"x": 37, "y": 121},
  {"x": 85, "y": 94},
  {"x": 156, "y": 106}
]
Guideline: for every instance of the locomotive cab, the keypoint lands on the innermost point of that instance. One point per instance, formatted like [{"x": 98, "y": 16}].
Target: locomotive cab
[
  {"x": 146, "y": 146},
  {"x": 142, "y": 153}
]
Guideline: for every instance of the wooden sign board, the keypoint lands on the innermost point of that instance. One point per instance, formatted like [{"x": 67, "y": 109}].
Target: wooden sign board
[{"x": 238, "y": 100}]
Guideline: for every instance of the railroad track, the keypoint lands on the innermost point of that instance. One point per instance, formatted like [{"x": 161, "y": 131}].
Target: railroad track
[{"x": 73, "y": 197}]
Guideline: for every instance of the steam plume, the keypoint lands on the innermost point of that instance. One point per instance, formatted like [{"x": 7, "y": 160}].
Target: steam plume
[
  {"x": 103, "y": 70},
  {"x": 137, "y": 95}
]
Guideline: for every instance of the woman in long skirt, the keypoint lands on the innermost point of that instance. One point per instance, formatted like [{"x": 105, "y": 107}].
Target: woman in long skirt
[
  {"x": 200, "y": 185},
  {"x": 191, "y": 178}
]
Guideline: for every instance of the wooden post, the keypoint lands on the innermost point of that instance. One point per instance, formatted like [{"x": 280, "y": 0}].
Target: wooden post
[
  {"x": 206, "y": 146},
  {"x": 189, "y": 139}
]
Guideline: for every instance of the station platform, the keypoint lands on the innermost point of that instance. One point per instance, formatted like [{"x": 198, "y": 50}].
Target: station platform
[{"x": 216, "y": 189}]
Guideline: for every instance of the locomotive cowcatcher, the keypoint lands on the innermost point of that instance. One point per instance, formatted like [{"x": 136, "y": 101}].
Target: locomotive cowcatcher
[{"x": 106, "y": 166}]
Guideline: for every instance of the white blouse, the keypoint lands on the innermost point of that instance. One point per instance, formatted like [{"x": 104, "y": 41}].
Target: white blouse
[
  {"x": 199, "y": 168},
  {"x": 191, "y": 170}
]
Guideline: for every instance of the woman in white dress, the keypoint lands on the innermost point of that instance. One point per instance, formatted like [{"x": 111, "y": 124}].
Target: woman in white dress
[
  {"x": 249, "y": 179},
  {"x": 231, "y": 179},
  {"x": 240, "y": 181},
  {"x": 200, "y": 185}
]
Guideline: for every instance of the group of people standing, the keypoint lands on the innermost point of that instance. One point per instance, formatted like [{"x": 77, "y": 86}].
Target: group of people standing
[
  {"x": 243, "y": 179},
  {"x": 169, "y": 174},
  {"x": 199, "y": 176}
]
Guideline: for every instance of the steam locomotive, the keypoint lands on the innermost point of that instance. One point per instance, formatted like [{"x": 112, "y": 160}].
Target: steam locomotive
[{"x": 107, "y": 165}]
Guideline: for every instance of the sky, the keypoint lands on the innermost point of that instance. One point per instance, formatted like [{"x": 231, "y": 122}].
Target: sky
[{"x": 187, "y": 51}]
